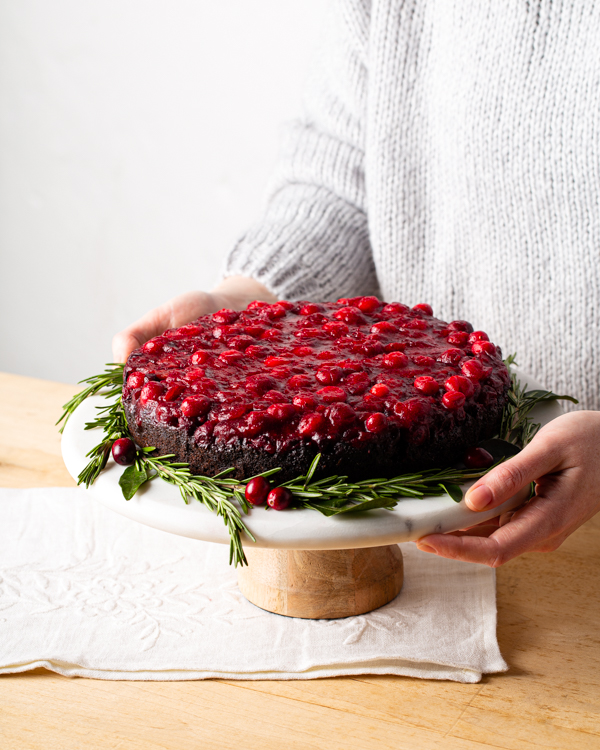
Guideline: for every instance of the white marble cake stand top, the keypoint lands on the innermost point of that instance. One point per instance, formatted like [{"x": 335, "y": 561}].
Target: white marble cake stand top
[{"x": 160, "y": 505}]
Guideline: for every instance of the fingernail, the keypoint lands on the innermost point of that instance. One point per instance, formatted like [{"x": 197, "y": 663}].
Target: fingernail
[
  {"x": 479, "y": 498},
  {"x": 426, "y": 548}
]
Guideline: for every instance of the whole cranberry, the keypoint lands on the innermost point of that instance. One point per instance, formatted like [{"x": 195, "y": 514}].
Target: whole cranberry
[
  {"x": 257, "y": 490},
  {"x": 279, "y": 498},
  {"x": 428, "y": 385},
  {"x": 123, "y": 451},
  {"x": 376, "y": 422},
  {"x": 453, "y": 400},
  {"x": 478, "y": 458},
  {"x": 424, "y": 308}
]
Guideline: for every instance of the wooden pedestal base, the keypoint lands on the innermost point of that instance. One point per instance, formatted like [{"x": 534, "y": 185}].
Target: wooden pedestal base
[{"x": 321, "y": 584}]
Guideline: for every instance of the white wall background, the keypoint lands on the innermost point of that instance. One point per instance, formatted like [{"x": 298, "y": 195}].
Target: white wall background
[{"x": 136, "y": 138}]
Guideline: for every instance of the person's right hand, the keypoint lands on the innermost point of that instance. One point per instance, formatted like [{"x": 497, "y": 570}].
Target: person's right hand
[{"x": 234, "y": 292}]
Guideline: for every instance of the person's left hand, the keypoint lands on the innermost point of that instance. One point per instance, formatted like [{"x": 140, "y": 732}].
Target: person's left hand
[{"x": 564, "y": 462}]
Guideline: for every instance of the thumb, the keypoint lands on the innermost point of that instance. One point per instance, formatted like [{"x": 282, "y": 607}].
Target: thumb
[{"x": 500, "y": 484}]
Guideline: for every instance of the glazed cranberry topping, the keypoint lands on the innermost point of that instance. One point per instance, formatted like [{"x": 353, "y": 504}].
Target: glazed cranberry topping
[
  {"x": 123, "y": 451},
  {"x": 276, "y": 375},
  {"x": 478, "y": 458},
  {"x": 257, "y": 490}
]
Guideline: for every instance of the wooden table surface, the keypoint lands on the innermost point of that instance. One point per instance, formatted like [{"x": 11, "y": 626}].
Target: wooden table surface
[{"x": 548, "y": 630}]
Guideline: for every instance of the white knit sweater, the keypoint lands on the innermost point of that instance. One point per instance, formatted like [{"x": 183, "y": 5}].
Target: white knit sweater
[{"x": 450, "y": 154}]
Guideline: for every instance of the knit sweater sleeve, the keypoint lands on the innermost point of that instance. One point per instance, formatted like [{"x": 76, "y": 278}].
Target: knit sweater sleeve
[{"x": 313, "y": 240}]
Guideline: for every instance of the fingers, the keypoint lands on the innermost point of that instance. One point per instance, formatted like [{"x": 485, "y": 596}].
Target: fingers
[
  {"x": 540, "y": 526},
  {"x": 500, "y": 484},
  {"x": 151, "y": 324},
  {"x": 174, "y": 313}
]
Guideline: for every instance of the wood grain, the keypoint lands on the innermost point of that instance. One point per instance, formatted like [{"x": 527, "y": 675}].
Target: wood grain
[
  {"x": 548, "y": 614},
  {"x": 321, "y": 584}
]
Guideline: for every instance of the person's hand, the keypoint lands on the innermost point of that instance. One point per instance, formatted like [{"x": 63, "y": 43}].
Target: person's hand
[
  {"x": 234, "y": 292},
  {"x": 564, "y": 462}
]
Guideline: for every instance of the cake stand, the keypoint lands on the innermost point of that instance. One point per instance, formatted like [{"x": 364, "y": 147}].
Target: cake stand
[{"x": 303, "y": 564}]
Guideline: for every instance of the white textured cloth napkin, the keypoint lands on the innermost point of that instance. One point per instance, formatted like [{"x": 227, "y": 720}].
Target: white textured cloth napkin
[{"x": 86, "y": 592}]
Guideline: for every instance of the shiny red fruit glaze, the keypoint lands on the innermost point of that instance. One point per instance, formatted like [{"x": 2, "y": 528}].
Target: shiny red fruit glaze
[
  {"x": 478, "y": 458},
  {"x": 257, "y": 490},
  {"x": 453, "y": 400},
  {"x": 123, "y": 451},
  {"x": 460, "y": 325},
  {"x": 279, "y": 499}
]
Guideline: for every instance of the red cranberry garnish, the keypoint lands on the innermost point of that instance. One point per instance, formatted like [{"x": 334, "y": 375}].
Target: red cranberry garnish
[
  {"x": 194, "y": 406},
  {"x": 384, "y": 326},
  {"x": 275, "y": 311},
  {"x": 200, "y": 357},
  {"x": 257, "y": 490},
  {"x": 458, "y": 338},
  {"x": 395, "y": 308},
  {"x": 350, "y": 315},
  {"x": 123, "y": 451},
  {"x": 428, "y": 385},
  {"x": 303, "y": 351},
  {"x": 460, "y": 325},
  {"x": 394, "y": 360},
  {"x": 281, "y": 412},
  {"x": 299, "y": 381},
  {"x": 225, "y": 316},
  {"x": 376, "y": 422},
  {"x": 231, "y": 357},
  {"x": 424, "y": 308},
  {"x": 460, "y": 384},
  {"x": 309, "y": 309},
  {"x": 135, "y": 380},
  {"x": 150, "y": 392},
  {"x": 423, "y": 360},
  {"x": 154, "y": 346},
  {"x": 473, "y": 369},
  {"x": 368, "y": 304},
  {"x": 486, "y": 347},
  {"x": 340, "y": 415},
  {"x": 257, "y": 304},
  {"x": 174, "y": 392},
  {"x": 335, "y": 330},
  {"x": 331, "y": 394},
  {"x": 357, "y": 383},
  {"x": 418, "y": 324},
  {"x": 305, "y": 401},
  {"x": 451, "y": 356},
  {"x": 279, "y": 498},
  {"x": 478, "y": 336},
  {"x": 478, "y": 458},
  {"x": 311, "y": 424},
  {"x": 381, "y": 390},
  {"x": 453, "y": 400},
  {"x": 329, "y": 374}
]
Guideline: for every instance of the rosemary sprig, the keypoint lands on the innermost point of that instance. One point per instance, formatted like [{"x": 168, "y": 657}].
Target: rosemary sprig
[
  {"x": 110, "y": 381},
  {"x": 517, "y": 427}
]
